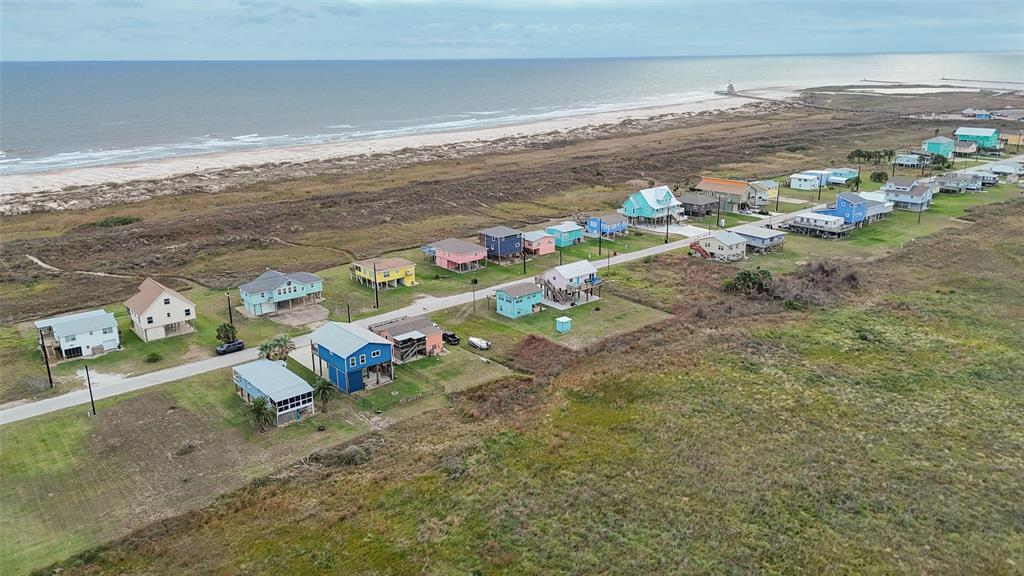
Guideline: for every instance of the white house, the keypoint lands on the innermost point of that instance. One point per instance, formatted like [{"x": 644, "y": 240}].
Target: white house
[
  {"x": 569, "y": 283},
  {"x": 1006, "y": 169},
  {"x": 804, "y": 181},
  {"x": 725, "y": 245},
  {"x": 159, "y": 312},
  {"x": 909, "y": 193},
  {"x": 79, "y": 335}
]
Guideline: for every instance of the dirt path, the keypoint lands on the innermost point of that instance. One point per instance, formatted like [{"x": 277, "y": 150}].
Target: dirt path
[{"x": 55, "y": 269}]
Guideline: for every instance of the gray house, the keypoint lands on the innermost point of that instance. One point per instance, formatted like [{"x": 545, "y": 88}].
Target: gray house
[{"x": 761, "y": 240}]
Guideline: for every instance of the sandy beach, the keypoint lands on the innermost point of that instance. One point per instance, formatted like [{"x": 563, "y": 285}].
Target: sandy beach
[{"x": 44, "y": 182}]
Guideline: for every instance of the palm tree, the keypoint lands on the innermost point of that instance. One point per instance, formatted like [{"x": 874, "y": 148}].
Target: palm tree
[
  {"x": 277, "y": 348},
  {"x": 324, "y": 390},
  {"x": 227, "y": 333},
  {"x": 261, "y": 413}
]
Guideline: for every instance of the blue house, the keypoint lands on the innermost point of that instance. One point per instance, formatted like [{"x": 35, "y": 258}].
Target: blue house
[
  {"x": 502, "y": 242},
  {"x": 566, "y": 234},
  {"x": 841, "y": 175},
  {"x": 351, "y": 357},
  {"x": 851, "y": 207},
  {"x": 518, "y": 300},
  {"x": 272, "y": 290},
  {"x": 607, "y": 225}
]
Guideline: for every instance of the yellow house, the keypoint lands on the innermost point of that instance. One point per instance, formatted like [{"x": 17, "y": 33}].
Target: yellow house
[
  {"x": 1012, "y": 138},
  {"x": 390, "y": 272}
]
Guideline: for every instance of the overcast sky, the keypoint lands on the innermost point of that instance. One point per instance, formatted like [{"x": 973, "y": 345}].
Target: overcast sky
[{"x": 368, "y": 29}]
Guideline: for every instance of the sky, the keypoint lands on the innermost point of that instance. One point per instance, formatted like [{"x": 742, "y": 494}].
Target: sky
[{"x": 413, "y": 29}]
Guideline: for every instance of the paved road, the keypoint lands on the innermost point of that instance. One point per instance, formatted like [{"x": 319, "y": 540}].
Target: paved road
[{"x": 425, "y": 305}]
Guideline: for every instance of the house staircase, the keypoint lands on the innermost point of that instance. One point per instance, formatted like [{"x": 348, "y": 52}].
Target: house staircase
[
  {"x": 695, "y": 246},
  {"x": 407, "y": 348},
  {"x": 581, "y": 218},
  {"x": 677, "y": 217}
]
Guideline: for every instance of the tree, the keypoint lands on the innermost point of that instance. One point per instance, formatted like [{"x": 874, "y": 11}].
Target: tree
[
  {"x": 939, "y": 161},
  {"x": 854, "y": 182},
  {"x": 879, "y": 176},
  {"x": 750, "y": 282},
  {"x": 227, "y": 333},
  {"x": 324, "y": 390},
  {"x": 277, "y": 348},
  {"x": 261, "y": 413}
]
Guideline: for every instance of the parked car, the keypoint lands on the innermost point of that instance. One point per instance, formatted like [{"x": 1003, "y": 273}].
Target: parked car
[
  {"x": 479, "y": 343},
  {"x": 234, "y": 346},
  {"x": 451, "y": 338}
]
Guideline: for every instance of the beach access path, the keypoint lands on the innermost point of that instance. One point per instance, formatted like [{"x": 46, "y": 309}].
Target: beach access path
[{"x": 426, "y": 305}]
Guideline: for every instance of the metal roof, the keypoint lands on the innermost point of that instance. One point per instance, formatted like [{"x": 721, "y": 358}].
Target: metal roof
[
  {"x": 575, "y": 269},
  {"x": 271, "y": 279},
  {"x": 697, "y": 199},
  {"x": 939, "y": 140},
  {"x": 500, "y": 232},
  {"x": 456, "y": 246},
  {"x": 653, "y": 196},
  {"x": 534, "y": 235},
  {"x": 758, "y": 232},
  {"x": 566, "y": 227},
  {"x": 729, "y": 238},
  {"x": 273, "y": 379},
  {"x": 970, "y": 131},
  {"x": 345, "y": 339},
  {"x": 851, "y": 197},
  {"x": 521, "y": 289},
  {"x": 612, "y": 218},
  {"x": 384, "y": 264},
  {"x": 79, "y": 323},
  {"x": 402, "y": 326}
]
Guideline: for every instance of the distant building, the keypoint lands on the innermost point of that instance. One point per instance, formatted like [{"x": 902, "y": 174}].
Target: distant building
[
  {"x": 608, "y": 225},
  {"x": 841, "y": 175},
  {"x": 502, "y": 243},
  {"x": 383, "y": 272},
  {"x": 963, "y": 148},
  {"x": 570, "y": 283},
  {"x": 651, "y": 206},
  {"x": 733, "y": 195},
  {"x": 770, "y": 188},
  {"x": 538, "y": 242},
  {"x": 412, "y": 337},
  {"x": 852, "y": 208},
  {"x": 351, "y": 357},
  {"x": 958, "y": 182},
  {"x": 273, "y": 290},
  {"x": 566, "y": 234},
  {"x": 909, "y": 193},
  {"x": 456, "y": 255},
  {"x": 698, "y": 204},
  {"x": 909, "y": 160},
  {"x": 79, "y": 335},
  {"x": 290, "y": 396},
  {"x": 820, "y": 225},
  {"x": 877, "y": 207},
  {"x": 518, "y": 300},
  {"x": 803, "y": 181},
  {"x": 939, "y": 145},
  {"x": 158, "y": 312},
  {"x": 1006, "y": 168},
  {"x": 761, "y": 240},
  {"x": 986, "y": 138},
  {"x": 725, "y": 246}
]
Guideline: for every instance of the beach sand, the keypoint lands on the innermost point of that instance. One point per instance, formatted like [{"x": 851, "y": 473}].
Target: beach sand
[{"x": 36, "y": 182}]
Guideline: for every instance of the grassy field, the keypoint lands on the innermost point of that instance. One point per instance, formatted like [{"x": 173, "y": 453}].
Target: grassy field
[{"x": 878, "y": 436}]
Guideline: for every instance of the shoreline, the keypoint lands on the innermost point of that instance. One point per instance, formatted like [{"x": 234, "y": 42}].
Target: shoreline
[{"x": 56, "y": 181}]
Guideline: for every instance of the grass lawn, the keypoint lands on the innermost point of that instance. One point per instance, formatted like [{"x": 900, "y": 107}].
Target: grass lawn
[{"x": 712, "y": 221}]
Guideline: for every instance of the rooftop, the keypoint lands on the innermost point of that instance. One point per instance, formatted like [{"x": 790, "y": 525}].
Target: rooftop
[
  {"x": 149, "y": 291},
  {"x": 79, "y": 323},
  {"x": 729, "y": 238},
  {"x": 273, "y": 379},
  {"x": 521, "y": 289},
  {"x": 852, "y": 198},
  {"x": 758, "y": 232},
  {"x": 535, "y": 235},
  {"x": 654, "y": 197},
  {"x": 971, "y": 131},
  {"x": 402, "y": 326},
  {"x": 612, "y": 218},
  {"x": 456, "y": 246},
  {"x": 565, "y": 227},
  {"x": 384, "y": 263},
  {"x": 576, "y": 269},
  {"x": 696, "y": 199},
  {"x": 344, "y": 339},
  {"x": 500, "y": 232},
  {"x": 939, "y": 140},
  {"x": 271, "y": 279},
  {"x": 721, "y": 185}
]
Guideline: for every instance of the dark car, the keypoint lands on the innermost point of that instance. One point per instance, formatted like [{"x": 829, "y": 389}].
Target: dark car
[
  {"x": 451, "y": 338},
  {"x": 235, "y": 346}
]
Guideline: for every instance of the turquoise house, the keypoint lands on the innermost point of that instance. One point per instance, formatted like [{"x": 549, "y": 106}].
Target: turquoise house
[
  {"x": 939, "y": 145},
  {"x": 986, "y": 138},
  {"x": 566, "y": 234},
  {"x": 518, "y": 300},
  {"x": 651, "y": 206},
  {"x": 273, "y": 290}
]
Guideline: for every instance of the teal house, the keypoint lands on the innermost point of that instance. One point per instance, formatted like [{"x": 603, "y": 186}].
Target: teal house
[
  {"x": 566, "y": 234},
  {"x": 939, "y": 145},
  {"x": 651, "y": 206},
  {"x": 273, "y": 290},
  {"x": 986, "y": 138},
  {"x": 518, "y": 300}
]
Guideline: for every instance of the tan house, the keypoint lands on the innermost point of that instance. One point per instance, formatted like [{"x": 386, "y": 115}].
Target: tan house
[
  {"x": 159, "y": 312},
  {"x": 724, "y": 245}
]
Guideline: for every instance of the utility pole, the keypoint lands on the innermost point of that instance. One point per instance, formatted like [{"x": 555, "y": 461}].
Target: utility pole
[
  {"x": 473, "y": 283},
  {"x": 600, "y": 235},
  {"x": 666, "y": 225},
  {"x": 858, "y": 177},
  {"x": 348, "y": 310},
  {"x": 718, "y": 217},
  {"x": 231, "y": 316},
  {"x": 819, "y": 188},
  {"x": 523, "y": 254},
  {"x": 376, "y": 287},
  {"x": 88, "y": 382},
  {"x": 920, "y": 210},
  {"x": 46, "y": 358},
  {"x": 559, "y": 257}
]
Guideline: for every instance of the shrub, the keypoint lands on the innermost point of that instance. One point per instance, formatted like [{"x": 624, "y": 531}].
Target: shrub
[
  {"x": 154, "y": 357},
  {"x": 879, "y": 176},
  {"x": 112, "y": 221}
]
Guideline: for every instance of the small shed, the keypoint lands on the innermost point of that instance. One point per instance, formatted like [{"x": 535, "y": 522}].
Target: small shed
[{"x": 563, "y": 324}]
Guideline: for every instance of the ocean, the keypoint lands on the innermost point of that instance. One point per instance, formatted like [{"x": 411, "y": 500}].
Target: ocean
[{"x": 57, "y": 115}]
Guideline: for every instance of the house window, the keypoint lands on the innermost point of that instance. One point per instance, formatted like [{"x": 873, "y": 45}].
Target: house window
[
  {"x": 362, "y": 358},
  {"x": 188, "y": 311},
  {"x": 352, "y": 362},
  {"x": 167, "y": 300},
  {"x": 108, "y": 330},
  {"x": 168, "y": 314},
  {"x": 69, "y": 338},
  {"x": 375, "y": 354},
  {"x": 149, "y": 319}
]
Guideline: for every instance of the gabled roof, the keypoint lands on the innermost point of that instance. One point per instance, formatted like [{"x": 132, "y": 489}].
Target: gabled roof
[
  {"x": 939, "y": 140},
  {"x": 384, "y": 264},
  {"x": 697, "y": 199},
  {"x": 80, "y": 323},
  {"x": 970, "y": 131},
  {"x": 965, "y": 144},
  {"x": 612, "y": 218},
  {"x": 902, "y": 181},
  {"x": 758, "y": 232},
  {"x": 919, "y": 189},
  {"x": 521, "y": 289},
  {"x": 456, "y": 246},
  {"x": 565, "y": 227},
  {"x": 575, "y": 269},
  {"x": 273, "y": 379},
  {"x": 500, "y": 232},
  {"x": 402, "y": 326},
  {"x": 345, "y": 339},
  {"x": 655, "y": 197},
  {"x": 272, "y": 279},
  {"x": 721, "y": 185},
  {"x": 535, "y": 235},
  {"x": 804, "y": 176},
  {"x": 852, "y": 198},
  {"x": 149, "y": 291},
  {"x": 728, "y": 238}
]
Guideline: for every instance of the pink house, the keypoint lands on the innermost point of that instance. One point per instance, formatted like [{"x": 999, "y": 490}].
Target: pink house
[
  {"x": 538, "y": 242},
  {"x": 457, "y": 255}
]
